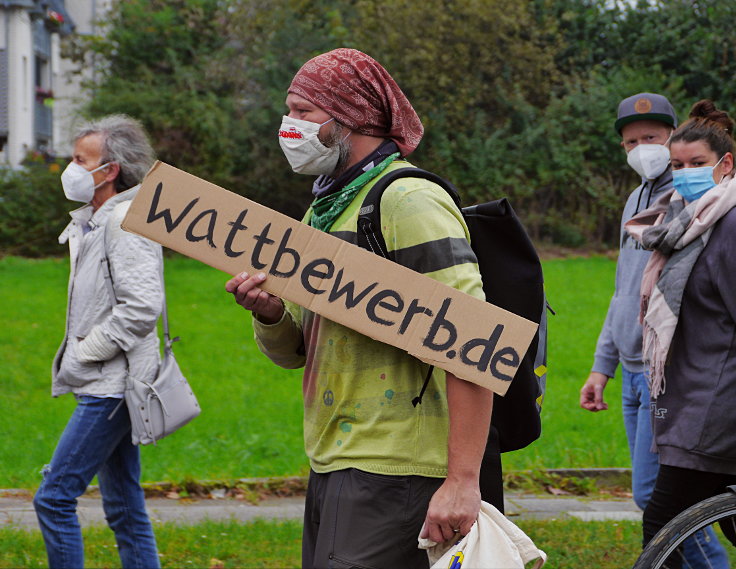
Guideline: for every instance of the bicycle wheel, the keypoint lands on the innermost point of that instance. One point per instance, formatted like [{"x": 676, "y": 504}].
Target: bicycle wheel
[{"x": 664, "y": 551}]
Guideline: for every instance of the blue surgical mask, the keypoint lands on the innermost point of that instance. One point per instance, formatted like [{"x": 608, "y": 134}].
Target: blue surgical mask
[{"x": 692, "y": 183}]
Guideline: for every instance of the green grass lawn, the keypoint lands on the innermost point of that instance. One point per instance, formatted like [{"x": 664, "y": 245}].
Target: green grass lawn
[
  {"x": 579, "y": 290},
  {"x": 277, "y": 545},
  {"x": 251, "y": 420}
]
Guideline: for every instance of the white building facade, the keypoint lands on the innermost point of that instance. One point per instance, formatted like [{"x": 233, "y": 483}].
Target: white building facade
[
  {"x": 29, "y": 61},
  {"x": 39, "y": 96}
]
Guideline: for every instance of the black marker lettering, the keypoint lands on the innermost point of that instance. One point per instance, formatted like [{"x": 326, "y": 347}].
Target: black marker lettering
[
  {"x": 378, "y": 301},
  {"x": 261, "y": 240},
  {"x": 488, "y": 346},
  {"x": 237, "y": 225},
  {"x": 153, "y": 215},
  {"x": 441, "y": 322},
  {"x": 413, "y": 309},
  {"x": 348, "y": 290},
  {"x": 210, "y": 228},
  {"x": 284, "y": 250},
  {"x": 310, "y": 270},
  {"x": 501, "y": 357}
]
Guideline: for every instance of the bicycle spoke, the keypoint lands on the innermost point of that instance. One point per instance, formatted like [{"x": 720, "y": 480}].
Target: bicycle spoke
[
  {"x": 696, "y": 539},
  {"x": 729, "y": 529}
]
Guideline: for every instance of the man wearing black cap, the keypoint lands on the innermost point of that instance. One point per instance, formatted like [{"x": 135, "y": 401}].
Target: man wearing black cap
[{"x": 645, "y": 122}]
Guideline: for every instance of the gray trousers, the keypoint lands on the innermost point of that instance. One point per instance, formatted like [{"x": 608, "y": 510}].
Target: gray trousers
[{"x": 355, "y": 519}]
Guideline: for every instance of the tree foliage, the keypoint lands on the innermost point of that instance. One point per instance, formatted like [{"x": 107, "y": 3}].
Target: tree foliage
[
  {"x": 162, "y": 63},
  {"x": 33, "y": 208},
  {"x": 517, "y": 100},
  {"x": 457, "y": 58},
  {"x": 272, "y": 40}
]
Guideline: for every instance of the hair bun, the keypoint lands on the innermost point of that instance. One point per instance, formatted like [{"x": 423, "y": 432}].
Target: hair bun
[{"x": 705, "y": 109}]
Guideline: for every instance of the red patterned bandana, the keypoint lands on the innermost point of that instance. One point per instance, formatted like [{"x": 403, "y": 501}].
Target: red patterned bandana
[{"x": 355, "y": 89}]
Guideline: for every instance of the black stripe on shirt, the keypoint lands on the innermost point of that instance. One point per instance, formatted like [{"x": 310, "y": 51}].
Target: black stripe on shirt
[
  {"x": 425, "y": 257},
  {"x": 435, "y": 255}
]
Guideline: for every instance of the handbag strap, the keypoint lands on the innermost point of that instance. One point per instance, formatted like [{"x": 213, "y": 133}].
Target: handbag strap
[
  {"x": 165, "y": 315},
  {"x": 109, "y": 284},
  {"x": 113, "y": 301}
]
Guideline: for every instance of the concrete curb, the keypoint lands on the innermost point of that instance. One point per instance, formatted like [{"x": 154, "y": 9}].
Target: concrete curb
[
  {"x": 600, "y": 474},
  {"x": 290, "y": 485},
  {"x": 18, "y": 512},
  {"x": 16, "y": 507}
]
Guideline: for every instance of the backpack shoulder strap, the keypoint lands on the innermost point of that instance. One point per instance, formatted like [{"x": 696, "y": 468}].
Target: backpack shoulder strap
[
  {"x": 369, "y": 217},
  {"x": 370, "y": 236}
]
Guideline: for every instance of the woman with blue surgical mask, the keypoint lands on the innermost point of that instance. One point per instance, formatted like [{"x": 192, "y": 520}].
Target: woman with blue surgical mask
[
  {"x": 689, "y": 318},
  {"x": 702, "y": 156}
]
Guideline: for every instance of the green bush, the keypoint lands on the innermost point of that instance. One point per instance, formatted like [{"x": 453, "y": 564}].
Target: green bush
[{"x": 33, "y": 208}]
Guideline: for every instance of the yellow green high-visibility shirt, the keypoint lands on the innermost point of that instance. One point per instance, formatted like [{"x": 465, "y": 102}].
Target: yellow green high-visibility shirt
[{"x": 357, "y": 391}]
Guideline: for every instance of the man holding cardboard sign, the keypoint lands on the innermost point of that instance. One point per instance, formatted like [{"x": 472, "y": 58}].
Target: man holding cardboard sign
[{"x": 382, "y": 470}]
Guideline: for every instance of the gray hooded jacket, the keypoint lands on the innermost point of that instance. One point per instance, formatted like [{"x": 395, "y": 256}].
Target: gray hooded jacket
[
  {"x": 620, "y": 339},
  {"x": 105, "y": 338}
]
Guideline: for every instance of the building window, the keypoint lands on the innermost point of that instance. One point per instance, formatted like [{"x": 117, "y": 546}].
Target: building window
[{"x": 43, "y": 81}]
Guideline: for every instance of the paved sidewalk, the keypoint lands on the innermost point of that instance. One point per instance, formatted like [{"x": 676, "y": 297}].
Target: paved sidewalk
[
  {"x": 543, "y": 506},
  {"x": 16, "y": 509}
]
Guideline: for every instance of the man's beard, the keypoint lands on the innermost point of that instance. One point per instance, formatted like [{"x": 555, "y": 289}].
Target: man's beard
[{"x": 338, "y": 138}]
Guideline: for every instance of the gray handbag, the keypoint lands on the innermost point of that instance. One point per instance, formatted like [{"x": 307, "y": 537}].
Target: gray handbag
[{"x": 164, "y": 405}]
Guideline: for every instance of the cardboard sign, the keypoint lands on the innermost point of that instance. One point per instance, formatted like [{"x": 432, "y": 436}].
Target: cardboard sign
[{"x": 442, "y": 326}]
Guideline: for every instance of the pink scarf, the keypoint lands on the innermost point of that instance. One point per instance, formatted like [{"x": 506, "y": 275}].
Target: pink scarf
[{"x": 677, "y": 233}]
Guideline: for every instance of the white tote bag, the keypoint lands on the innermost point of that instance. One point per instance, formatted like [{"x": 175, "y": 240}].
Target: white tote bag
[{"x": 494, "y": 542}]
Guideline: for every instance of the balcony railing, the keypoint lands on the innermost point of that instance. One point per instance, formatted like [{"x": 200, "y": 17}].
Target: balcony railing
[{"x": 43, "y": 120}]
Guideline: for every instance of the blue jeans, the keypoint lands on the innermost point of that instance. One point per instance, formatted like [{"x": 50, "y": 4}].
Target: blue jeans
[
  {"x": 645, "y": 466},
  {"x": 92, "y": 443}
]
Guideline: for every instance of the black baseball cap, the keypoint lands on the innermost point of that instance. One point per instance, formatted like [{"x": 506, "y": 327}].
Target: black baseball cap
[{"x": 645, "y": 106}]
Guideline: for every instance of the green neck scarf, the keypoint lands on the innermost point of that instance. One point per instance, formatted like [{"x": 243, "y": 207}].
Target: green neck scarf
[{"x": 327, "y": 209}]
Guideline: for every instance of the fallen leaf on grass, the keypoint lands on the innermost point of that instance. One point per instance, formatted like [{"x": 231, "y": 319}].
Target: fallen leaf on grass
[
  {"x": 557, "y": 491},
  {"x": 218, "y": 493}
]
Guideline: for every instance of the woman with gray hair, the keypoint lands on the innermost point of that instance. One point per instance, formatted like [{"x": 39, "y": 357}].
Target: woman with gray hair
[{"x": 114, "y": 301}]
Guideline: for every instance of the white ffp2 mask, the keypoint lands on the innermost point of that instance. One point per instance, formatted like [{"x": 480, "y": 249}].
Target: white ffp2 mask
[
  {"x": 78, "y": 183},
  {"x": 304, "y": 150},
  {"x": 649, "y": 160}
]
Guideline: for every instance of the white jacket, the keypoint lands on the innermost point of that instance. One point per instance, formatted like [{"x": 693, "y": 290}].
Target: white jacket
[{"x": 102, "y": 343}]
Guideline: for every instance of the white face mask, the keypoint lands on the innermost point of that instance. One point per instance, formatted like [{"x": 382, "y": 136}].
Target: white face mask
[
  {"x": 649, "y": 160},
  {"x": 303, "y": 149},
  {"x": 78, "y": 183}
]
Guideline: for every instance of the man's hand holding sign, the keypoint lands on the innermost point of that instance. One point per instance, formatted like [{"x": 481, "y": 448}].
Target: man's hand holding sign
[
  {"x": 266, "y": 307},
  {"x": 364, "y": 328}
]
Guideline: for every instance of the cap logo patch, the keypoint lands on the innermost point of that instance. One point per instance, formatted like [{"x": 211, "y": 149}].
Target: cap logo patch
[{"x": 643, "y": 105}]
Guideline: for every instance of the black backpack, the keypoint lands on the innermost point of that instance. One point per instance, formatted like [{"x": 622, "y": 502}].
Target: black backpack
[{"x": 512, "y": 279}]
